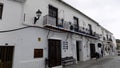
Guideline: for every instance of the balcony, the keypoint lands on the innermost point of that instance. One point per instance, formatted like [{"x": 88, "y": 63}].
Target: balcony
[
  {"x": 109, "y": 40},
  {"x": 50, "y": 22},
  {"x": 22, "y": 1}
]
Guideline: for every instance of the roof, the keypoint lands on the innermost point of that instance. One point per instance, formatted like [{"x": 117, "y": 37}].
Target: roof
[
  {"x": 105, "y": 29},
  {"x": 78, "y": 11},
  {"x": 83, "y": 14}
]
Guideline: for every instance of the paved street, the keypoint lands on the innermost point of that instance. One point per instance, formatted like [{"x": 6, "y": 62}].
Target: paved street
[{"x": 107, "y": 62}]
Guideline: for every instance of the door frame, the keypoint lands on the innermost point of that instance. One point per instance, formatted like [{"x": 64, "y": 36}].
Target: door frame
[
  {"x": 92, "y": 50},
  {"x": 13, "y": 47},
  {"x": 78, "y": 50},
  {"x": 56, "y": 53}
]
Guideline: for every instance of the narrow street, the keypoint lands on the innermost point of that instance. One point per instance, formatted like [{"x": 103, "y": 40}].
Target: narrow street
[{"x": 107, "y": 62}]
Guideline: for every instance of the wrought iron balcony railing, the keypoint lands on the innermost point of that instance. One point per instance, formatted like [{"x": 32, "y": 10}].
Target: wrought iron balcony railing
[
  {"x": 60, "y": 24},
  {"x": 20, "y": 1}
]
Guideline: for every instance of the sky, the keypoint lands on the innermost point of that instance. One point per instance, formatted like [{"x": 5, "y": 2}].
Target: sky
[{"x": 105, "y": 12}]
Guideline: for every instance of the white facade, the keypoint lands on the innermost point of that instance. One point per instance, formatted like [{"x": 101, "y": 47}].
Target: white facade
[{"x": 17, "y": 29}]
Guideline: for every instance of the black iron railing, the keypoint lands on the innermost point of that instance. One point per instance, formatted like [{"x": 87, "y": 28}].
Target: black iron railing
[{"x": 68, "y": 26}]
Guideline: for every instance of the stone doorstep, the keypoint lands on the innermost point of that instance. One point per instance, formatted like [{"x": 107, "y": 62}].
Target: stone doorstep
[{"x": 58, "y": 67}]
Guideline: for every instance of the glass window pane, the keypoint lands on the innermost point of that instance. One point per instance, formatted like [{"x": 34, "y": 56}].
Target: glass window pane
[{"x": 1, "y": 9}]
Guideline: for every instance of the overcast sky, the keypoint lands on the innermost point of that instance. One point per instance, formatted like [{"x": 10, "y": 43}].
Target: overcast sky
[{"x": 105, "y": 12}]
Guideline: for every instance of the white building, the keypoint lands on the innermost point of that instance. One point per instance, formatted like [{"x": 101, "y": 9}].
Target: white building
[{"x": 28, "y": 41}]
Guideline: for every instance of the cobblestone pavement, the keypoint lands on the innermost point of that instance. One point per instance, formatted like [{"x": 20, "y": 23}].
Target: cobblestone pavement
[{"x": 107, "y": 62}]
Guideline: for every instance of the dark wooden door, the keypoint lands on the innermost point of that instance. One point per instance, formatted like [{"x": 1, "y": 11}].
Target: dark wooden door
[
  {"x": 54, "y": 53},
  {"x": 6, "y": 56},
  {"x": 77, "y": 50},
  {"x": 92, "y": 50}
]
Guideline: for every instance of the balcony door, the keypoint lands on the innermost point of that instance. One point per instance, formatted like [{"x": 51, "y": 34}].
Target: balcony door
[
  {"x": 6, "y": 56},
  {"x": 54, "y": 53},
  {"x": 90, "y": 28},
  {"x": 53, "y": 12},
  {"x": 76, "y": 24}
]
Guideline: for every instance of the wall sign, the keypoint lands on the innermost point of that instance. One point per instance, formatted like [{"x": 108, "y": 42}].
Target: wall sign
[
  {"x": 65, "y": 45},
  {"x": 38, "y": 53}
]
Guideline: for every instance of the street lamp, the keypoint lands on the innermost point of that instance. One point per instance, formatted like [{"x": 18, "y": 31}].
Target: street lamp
[{"x": 38, "y": 14}]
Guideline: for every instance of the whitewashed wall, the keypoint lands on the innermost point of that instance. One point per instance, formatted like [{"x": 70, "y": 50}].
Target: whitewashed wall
[
  {"x": 12, "y": 12},
  {"x": 26, "y": 40},
  {"x": 64, "y": 12}
]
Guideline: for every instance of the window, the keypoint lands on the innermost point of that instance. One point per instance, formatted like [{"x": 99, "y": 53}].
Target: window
[
  {"x": 38, "y": 53},
  {"x": 107, "y": 37},
  {"x": 104, "y": 38},
  {"x": 1, "y": 10},
  {"x": 53, "y": 12},
  {"x": 76, "y": 24},
  {"x": 76, "y": 21},
  {"x": 90, "y": 28}
]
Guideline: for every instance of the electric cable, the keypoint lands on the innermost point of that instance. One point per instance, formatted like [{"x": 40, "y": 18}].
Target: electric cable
[{"x": 6, "y": 31}]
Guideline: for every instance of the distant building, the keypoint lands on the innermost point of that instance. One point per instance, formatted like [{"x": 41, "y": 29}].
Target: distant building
[
  {"x": 118, "y": 44},
  {"x": 47, "y": 33}
]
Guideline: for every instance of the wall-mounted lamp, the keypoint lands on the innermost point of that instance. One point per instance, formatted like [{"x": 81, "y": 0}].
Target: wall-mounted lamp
[
  {"x": 6, "y": 44},
  {"x": 38, "y": 14}
]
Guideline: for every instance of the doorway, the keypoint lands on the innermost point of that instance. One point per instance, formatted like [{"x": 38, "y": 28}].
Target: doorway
[
  {"x": 54, "y": 53},
  {"x": 78, "y": 45},
  {"x": 92, "y": 50},
  {"x": 6, "y": 56}
]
